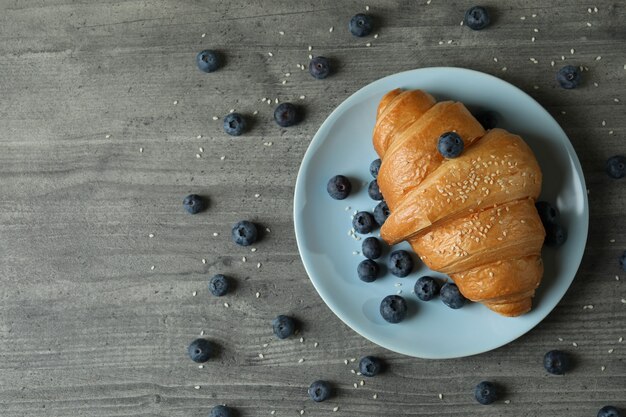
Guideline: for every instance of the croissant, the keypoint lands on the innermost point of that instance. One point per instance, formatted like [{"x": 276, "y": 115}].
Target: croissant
[{"x": 472, "y": 217}]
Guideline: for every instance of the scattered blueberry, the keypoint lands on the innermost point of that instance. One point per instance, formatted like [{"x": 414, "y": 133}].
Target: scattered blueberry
[
  {"x": 319, "y": 67},
  {"x": 370, "y": 366},
  {"x": 194, "y": 204},
  {"x": 488, "y": 119},
  {"x": 375, "y": 167},
  {"x": 218, "y": 285},
  {"x": 244, "y": 233},
  {"x": 616, "y": 166},
  {"x": 476, "y": 18},
  {"x": 609, "y": 411},
  {"x": 569, "y": 77},
  {"x": 622, "y": 261},
  {"x": 339, "y": 187},
  {"x": 486, "y": 393},
  {"x": 200, "y": 350},
  {"x": 208, "y": 61},
  {"x": 372, "y": 248},
  {"x": 234, "y": 124},
  {"x": 368, "y": 270},
  {"x": 361, "y": 25},
  {"x": 319, "y": 391},
  {"x": 393, "y": 308},
  {"x": 363, "y": 222},
  {"x": 426, "y": 288},
  {"x": 400, "y": 263},
  {"x": 381, "y": 212},
  {"x": 284, "y": 326},
  {"x": 373, "y": 191},
  {"x": 547, "y": 213},
  {"x": 556, "y": 362},
  {"x": 451, "y": 296},
  {"x": 286, "y": 114},
  {"x": 556, "y": 235},
  {"x": 450, "y": 145},
  {"x": 221, "y": 411}
]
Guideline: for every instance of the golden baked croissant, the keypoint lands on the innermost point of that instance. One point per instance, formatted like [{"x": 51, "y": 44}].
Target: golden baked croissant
[{"x": 472, "y": 217}]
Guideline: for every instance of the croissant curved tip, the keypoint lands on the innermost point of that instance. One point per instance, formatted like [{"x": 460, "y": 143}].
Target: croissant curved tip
[{"x": 512, "y": 309}]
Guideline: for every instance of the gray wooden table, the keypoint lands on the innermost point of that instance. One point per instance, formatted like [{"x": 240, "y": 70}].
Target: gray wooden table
[{"x": 106, "y": 124}]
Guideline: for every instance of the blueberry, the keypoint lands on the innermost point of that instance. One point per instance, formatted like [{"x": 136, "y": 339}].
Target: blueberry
[
  {"x": 319, "y": 67},
  {"x": 373, "y": 191},
  {"x": 622, "y": 261},
  {"x": 218, "y": 285},
  {"x": 372, "y": 248},
  {"x": 609, "y": 411},
  {"x": 200, "y": 350},
  {"x": 556, "y": 362},
  {"x": 370, "y": 366},
  {"x": 547, "y": 213},
  {"x": 208, "y": 61},
  {"x": 284, "y": 326},
  {"x": 221, "y": 411},
  {"x": 556, "y": 235},
  {"x": 476, "y": 18},
  {"x": 244, "y": 233},
  {"x": 569, "y": 77},
  {"x": 320, "y": 391},
  {"x": 363, "y": 222},
  {"x": 400, "y": 263},
  {"x": 451, "y": 296},
  {"x": 361, "y": 25},
  {"x": 616, "y": 166},
  {"x": 486, "y": 393},
  {"x": 426, "y": 288},
  {"x": 375, "y": 167},
  {"x": 393, "y": 308},
  {"x": 286, "y": 114},
  {"x": 450, "y": 145},
  {"x": 368, "y": 270},
  {"x": 488, "y": 119},
  {"x": 339, "y": 187},
  {"x": 381, "y": 212},
  {"x": 194, "y": 204},
  {"x": 234, "y": 124}
]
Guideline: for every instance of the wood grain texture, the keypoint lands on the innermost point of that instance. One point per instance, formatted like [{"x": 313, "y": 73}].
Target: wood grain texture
[{"x": 88, "y": 329}]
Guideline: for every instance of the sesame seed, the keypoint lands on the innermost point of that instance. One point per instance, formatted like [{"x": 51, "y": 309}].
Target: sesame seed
[
  {"x": 353, "y": 371},
  {"x": 368, "y": 44},
  {"x": 440, "y": 42},
  {"x": 560, "y": 339},
  {"x": 270, "y": 54},
  {"x": 316, "y": 344},
  {"x": 243, "y": 259},
  {"x": 595, "y": 10},
  {"x": 532, "y": 39},
  {"x": 193, "y": 294},
  {"x": 257, "y": 294},
  {"x": 226, "y": 305},
  {"x": 604, "y": 123},
  {"x": 440, "y": 396},
  {"x": 107, "y": 136},
  {"x": 588, "y": 307},
  {"x": 589, "y": 10},
  {"x": 152, "y": 268},
  {"x": 252, "y": 249},
  {"x": 331, "y": 29},
  {"x": 449, "y": 41},
  {"x": 201, "y": 332},
  {"x": 602, "y": 368},
  {"x": 375, "y": 396},
  {"x": 616, "y": 100},
  {"x": 522, "y": 18},
  {"x": 276, "y": 100},
  {"x": 258, "y": 265},
  {"x": 310, "y": 56},
  {"x": 175, "y": 102},
  {"x": 361, "y": 382},
  {"x": 198, "y": 155},
  {"x": 222, "y": 157},
  {"x": 197, "y": 387},
  {"x": 621, "y": 339},
  {"x": 265, "y": 345},
  {"x": 562, "y": 57},
  {"x": 261, "y": 355},
  {"x": 376, "y": 36},
  {"x": 507, "y": 401},
  {"x": 284, "y": 82},
  {"x": 273, "y": 412},
  {"x": 610, "y": 350},
  {"x": 215, "y": 234},
  {"x": 257, "y": 195},
  {"x": 336, "y": 409},
  {"x": 428, "y": 2},
  {"x": 203, "y": 35},
  {"x": 255, "y": 112},
  {"x": 301, "y": 412},
  {"x": 200, "y": 366},
  {"x": 598, "y": 58},
  {"x": 345, "y": 361},
  {"x": 551, "y": 63},
  {"x": 623, "y": 300},
  {"x": 355, "y": 385},
  {"x": 588, "y": 24},
  {"x": 571, "y": 51},
  {"x": 300, "y": 360},
  {"x": 504, "y": 68},
  {"x": 281, "y": 33},
  {"x": 495, "y": 59},
  {"x": 574, "y": 344}
]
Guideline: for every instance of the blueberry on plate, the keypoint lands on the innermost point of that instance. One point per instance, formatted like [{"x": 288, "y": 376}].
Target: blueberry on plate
[
  {"x": 208, "y": 60},
  {"x": 319, "y": 67},
  {"x": 221, "y": 411},
  {"x": 373, "y": 191},
  {"x": 284, "y": 326},
  {"x": 372, "y": 248},
  {"x": 375, "y": 167},
  {"x": 339, "y": 187},
  {"x": 426, "y": 288},
  {"x": 368, "y": 270},
  {"x": 451, "y": 296},
  {"x": 556, "y": 235},
  {"x": 194, "y": 204},
  {"x": 286, "y": 114},
  {"x": 218, "y": 285},
  {"x": 622, "y": 261},
  {"x": 488, "y": 119},
  {"x": 400, "y": 263},
  {"x": 370, "y": 366},
  {"x": 363, "y": 222},
  {"x": 234, "y": 124},
  {"x": 361, "y": 25},
  {"x": 556, "y": 362},
  {"x": 200, "y": 350},
  {"x": 320, "y": 391},
  {"x": 393, "y": 308},
  {"x": 569, "y": 77},
  {"x": 486, "y": 393},
  {"x": 547, "y": 213},
  {"x": 381, "y": 212},
  {"x": 476, "y": 18},
  {"x": 616, "y": 166},
  {"x": 244, "y": 233},
  {"x": 609, "y": 411},
  {"x": 450, "y": 145}
]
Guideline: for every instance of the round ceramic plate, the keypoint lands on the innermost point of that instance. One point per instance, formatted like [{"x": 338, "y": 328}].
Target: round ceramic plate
[{"x": 343, "y": 145}]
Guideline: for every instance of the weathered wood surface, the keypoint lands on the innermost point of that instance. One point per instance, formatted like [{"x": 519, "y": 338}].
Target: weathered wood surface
[{"x": 88, "y": 329}]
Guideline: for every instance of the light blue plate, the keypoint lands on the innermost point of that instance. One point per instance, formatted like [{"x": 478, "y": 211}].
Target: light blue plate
[{"x": 343, "y": 146}]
